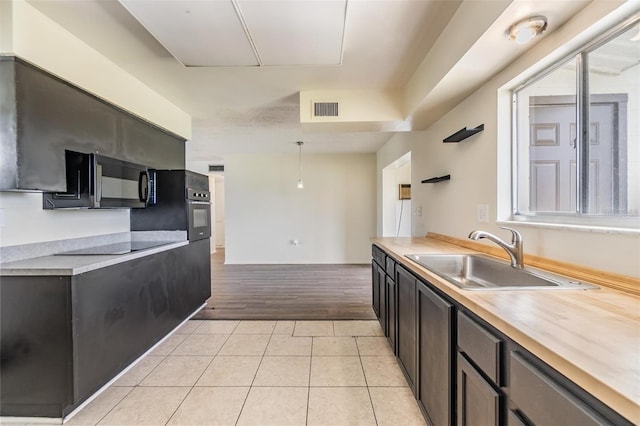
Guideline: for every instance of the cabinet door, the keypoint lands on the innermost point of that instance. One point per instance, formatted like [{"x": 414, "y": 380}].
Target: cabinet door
[
  {"x": 145, "y": 144},
  {"x": 407, "y": 339},
  {"x": 391, "y": 313},
  {"x": 52, "y": 116},
  {"x": 542, "y": 400},
  {"x": 382, "y": 282},
  {"x": 478, "y": 402},
  {"x": 375, "y": 288},
  {"x": 435, "y": 349},
  {"x": 36, "y": 347},
  {"x": 120, "y": 311}
]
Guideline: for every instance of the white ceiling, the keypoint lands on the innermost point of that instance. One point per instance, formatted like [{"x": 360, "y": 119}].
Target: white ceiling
[
  {"x": 256, "y": 109},
  {"x": 245, "y": 32}
]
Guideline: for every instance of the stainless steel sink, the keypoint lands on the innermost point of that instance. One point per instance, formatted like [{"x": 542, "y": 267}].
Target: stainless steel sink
[{"x": 477, "y": 272}]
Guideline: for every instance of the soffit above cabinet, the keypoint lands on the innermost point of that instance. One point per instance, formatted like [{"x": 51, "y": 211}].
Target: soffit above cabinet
[{"x": 245, "y": 33}]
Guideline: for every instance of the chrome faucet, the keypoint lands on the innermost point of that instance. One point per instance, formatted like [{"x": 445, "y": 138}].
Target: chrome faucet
[{"x": 514, "y": 250}]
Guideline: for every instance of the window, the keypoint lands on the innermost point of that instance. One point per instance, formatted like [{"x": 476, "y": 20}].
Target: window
[{"x": 577, "y": 137}]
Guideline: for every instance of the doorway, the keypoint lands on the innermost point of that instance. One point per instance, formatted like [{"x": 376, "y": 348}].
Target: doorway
[
  {"x": 216, "y": 182},
  {"x": 396, "y": 198}
]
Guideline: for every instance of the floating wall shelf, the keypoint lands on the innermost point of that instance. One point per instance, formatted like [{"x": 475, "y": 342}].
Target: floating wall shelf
[
  {"x": 463, "y": 134},
  {"x": 437, "y": 179}
]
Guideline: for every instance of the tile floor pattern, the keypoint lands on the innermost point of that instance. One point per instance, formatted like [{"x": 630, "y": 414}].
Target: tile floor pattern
[{"x": 261, "y": 373}]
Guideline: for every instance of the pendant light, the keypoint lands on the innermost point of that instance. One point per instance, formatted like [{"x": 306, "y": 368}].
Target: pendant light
[{"x": 300, "y": 183}]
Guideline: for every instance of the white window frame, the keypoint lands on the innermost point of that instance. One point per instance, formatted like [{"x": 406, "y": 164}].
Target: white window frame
[{"x": 620, "y": 224}]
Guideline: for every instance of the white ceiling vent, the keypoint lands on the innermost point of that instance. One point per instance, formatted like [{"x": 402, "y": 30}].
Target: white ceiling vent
[{"x": 325, "y": 109}]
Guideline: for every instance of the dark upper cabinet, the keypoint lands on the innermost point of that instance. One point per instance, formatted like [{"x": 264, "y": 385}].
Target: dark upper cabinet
[
  {"x": 143, "y": 143},
  {"x": 42, "y": 115},
  {"x": 407, "y": 338},
  {"x": 435, "y": 349}
]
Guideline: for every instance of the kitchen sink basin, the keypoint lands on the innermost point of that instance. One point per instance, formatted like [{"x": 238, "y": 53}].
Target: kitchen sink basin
[{"x": 477, "y": 272}]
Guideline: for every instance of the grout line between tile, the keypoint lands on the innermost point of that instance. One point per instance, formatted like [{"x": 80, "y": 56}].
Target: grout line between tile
[
  {"x": 306, "y": 422},
  {"x": 254, "y": 377},
  {"x": 179, "y": 405},
  {"x": 114, "y": 406},
  {"x": 366, "y": 382},
  {"x": 164, "y": 358}
]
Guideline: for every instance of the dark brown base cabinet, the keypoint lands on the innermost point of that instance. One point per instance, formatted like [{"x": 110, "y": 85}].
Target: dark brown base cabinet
[
  {"x": 465, "y": 372},
  {"x": 375, "y": 288},
  {"x": 64, "y": 337},
  {"x": 407, "y": 325},
  {"x": 435, "y": 349},
  {"x": 383, "y": 277},
  {"x": 478, "y": 402},
  {"x": 392, "y": 326},
  {"x": 479, "y": 374}
]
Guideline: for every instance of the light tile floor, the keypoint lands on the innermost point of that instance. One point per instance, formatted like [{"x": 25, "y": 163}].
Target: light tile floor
[{"x": 262, "y": 373}]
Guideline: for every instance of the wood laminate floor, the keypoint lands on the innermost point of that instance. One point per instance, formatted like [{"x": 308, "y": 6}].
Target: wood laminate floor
[{"x": 302, "y": 292}]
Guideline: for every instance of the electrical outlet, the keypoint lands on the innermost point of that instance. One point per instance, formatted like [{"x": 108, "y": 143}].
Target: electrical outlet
[
  {"x": 295, "y": 242},
  {"x": 483, "y": 213},
  {"x": 419, "y": 211}
]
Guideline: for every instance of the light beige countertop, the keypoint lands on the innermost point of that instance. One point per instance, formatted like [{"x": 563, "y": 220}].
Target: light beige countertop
[
  {"x": 76, "y": 264},
  {"x": 590, "y": 336}
]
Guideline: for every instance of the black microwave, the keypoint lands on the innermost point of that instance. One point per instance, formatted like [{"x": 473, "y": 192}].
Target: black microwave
[{"x": 98, "y": 182}]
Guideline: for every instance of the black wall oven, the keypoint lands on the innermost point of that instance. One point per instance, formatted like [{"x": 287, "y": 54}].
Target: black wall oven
[
  {"x": 179, "y": 201},
  {"x": 199, "y": 211}
]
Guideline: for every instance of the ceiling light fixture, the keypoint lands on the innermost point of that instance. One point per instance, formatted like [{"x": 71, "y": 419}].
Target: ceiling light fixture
[
  {"x": 524, "y": 31},
  {"x": 300, "y": 183}
]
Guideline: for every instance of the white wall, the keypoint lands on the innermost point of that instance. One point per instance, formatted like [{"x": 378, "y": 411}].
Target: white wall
[
  {"x": 31, "y": 35},
  {"x": 450, "y": 207},
  {"x": 333, "y": 217},
  {"x": 35, "y": 37},
  {"x": 26, "y": 222}
]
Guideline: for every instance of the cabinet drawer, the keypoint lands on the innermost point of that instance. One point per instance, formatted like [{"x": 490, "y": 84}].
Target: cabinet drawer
[
  {"x": 481, "y": 346},
  {"x": 378, "y": 255},
  {"x": 390, "y": 268},
  {"x": 542, "y": 400}
]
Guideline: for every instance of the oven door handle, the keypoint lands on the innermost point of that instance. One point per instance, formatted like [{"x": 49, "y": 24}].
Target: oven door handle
[
  {"x": 199, "y": 202},
  {"x": 143, "y": 191}
]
